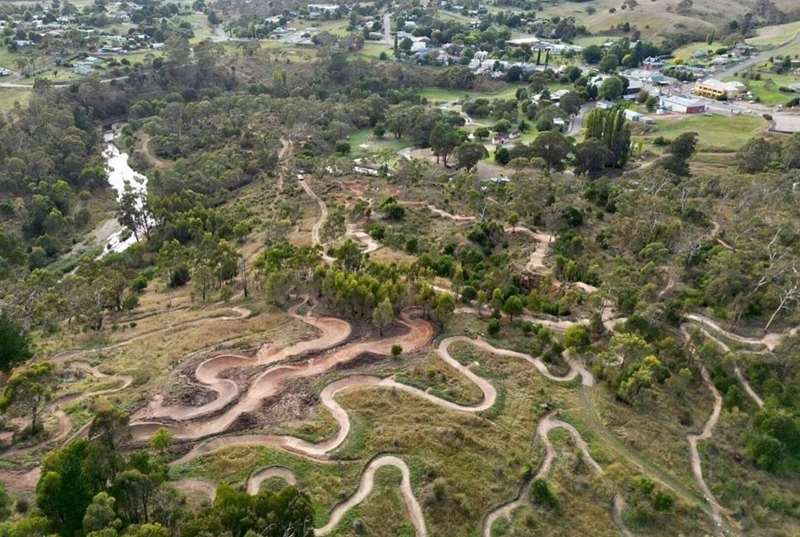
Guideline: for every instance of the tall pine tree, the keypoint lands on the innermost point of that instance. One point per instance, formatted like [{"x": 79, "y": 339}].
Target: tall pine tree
[{"x": 610, "y": 128}]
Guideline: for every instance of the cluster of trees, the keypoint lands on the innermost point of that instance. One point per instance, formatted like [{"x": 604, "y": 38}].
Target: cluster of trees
[
  {"x": 607, "y": 144},
  {"x": 49, "y": 171},
  {"x": 353, "y": 286},
  {"x": 52, "y": 174},
  {"x": 621, "y": 54},
  {"x": 679, "y": 151},
  {"x": 94, "y": 487},
  {"x": 638, "y": 359},
  {"x": 761, "y": 154},
  {"x": 773, "y": 441}
]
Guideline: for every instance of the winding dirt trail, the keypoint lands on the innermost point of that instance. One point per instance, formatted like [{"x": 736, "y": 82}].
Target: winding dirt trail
[
  {"x": 727, "y": 525},
  {"x": 458, "y": 218},
  {"x": 370, "y": 244},
  {"x": 259, "y": 476},
  {"x": 751, "y": 393},
  {"x": 608, "y": 316},
  {"x": 541, "y": 250},
  {"x": 340, "y": 510},
  {"x": 24, "y": 480},
  {"x": 547, "y": 424},
  {"x": 716, "y": 229},
  {"x": 57, "y": 406},
  {"x": 316, "y": 229},
  {"x": 316, "y": 239},
  {"x": 321, "y": 451},
  {"x": 706, "y": 434},
  {"x": 284, "y": 156},
  {"x": 365, "y": 487},
  {"x": 239, "y": 314},
  {"x": 147, "y": 149},
  {"x": 770, "y": 341}
]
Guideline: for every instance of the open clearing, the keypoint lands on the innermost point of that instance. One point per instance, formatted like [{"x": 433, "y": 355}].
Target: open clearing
[
  {"x": 716, "y": 133},
  {"x": 10, "y": 96},
  {"x": 771, "y": 36}
]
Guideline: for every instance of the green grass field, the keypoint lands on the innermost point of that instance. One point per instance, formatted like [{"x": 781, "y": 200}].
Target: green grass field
[
  {"x": 294, "y": 54},
  {"x": 337, "y": 27},
  {"x": 767, "y": 90},
  {"x": 373, "y": 50},
  {"x": 717, "y": 132},
  {"x": 200, "y": 26},
  {"x": 451, "y": 95},
  {"x": 364, "y": 143}
]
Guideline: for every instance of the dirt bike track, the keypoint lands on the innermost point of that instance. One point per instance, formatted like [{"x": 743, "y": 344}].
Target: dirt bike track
[
  {"x": 332, "y": 332},
  {"x": 207, "y": 423}
]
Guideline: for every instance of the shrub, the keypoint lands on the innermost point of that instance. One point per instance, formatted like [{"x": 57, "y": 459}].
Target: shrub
[
  {"x": 130, "y": 302},
  {"x": 663, "y": 502},
  {"x": 576, "y": 337},
  {"x": 543, "y": 494},
  {"x": 493, "y": 327},
  {"x": 179, "y": 277},
  {"x": 139, "y": 283}
]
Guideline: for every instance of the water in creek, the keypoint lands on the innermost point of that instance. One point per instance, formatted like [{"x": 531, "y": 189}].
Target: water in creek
[{"x": 120, "y": 173}]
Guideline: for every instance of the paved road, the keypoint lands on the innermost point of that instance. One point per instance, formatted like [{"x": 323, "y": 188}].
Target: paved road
[
  {"x": 387, "y": 29},
  {"x": 577, "y": 122},
  {"x": 760, "y": 57}
]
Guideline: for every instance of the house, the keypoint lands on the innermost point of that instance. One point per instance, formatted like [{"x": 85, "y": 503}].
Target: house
[
  {"x": 654, "y": 62},
  {"x": 598, "y": 79},
  {"x": 635, "y": 87},
  {"x": 317, "y": 11},
  {"x": 363, "y": 170},
  {"x": 633, "y": 115},
  {"x": 329, "y": 8},
  {"x": 681, "y": 105},
  {"x": 83, "y": 69},
  {"x": 521, "y": 41}
]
